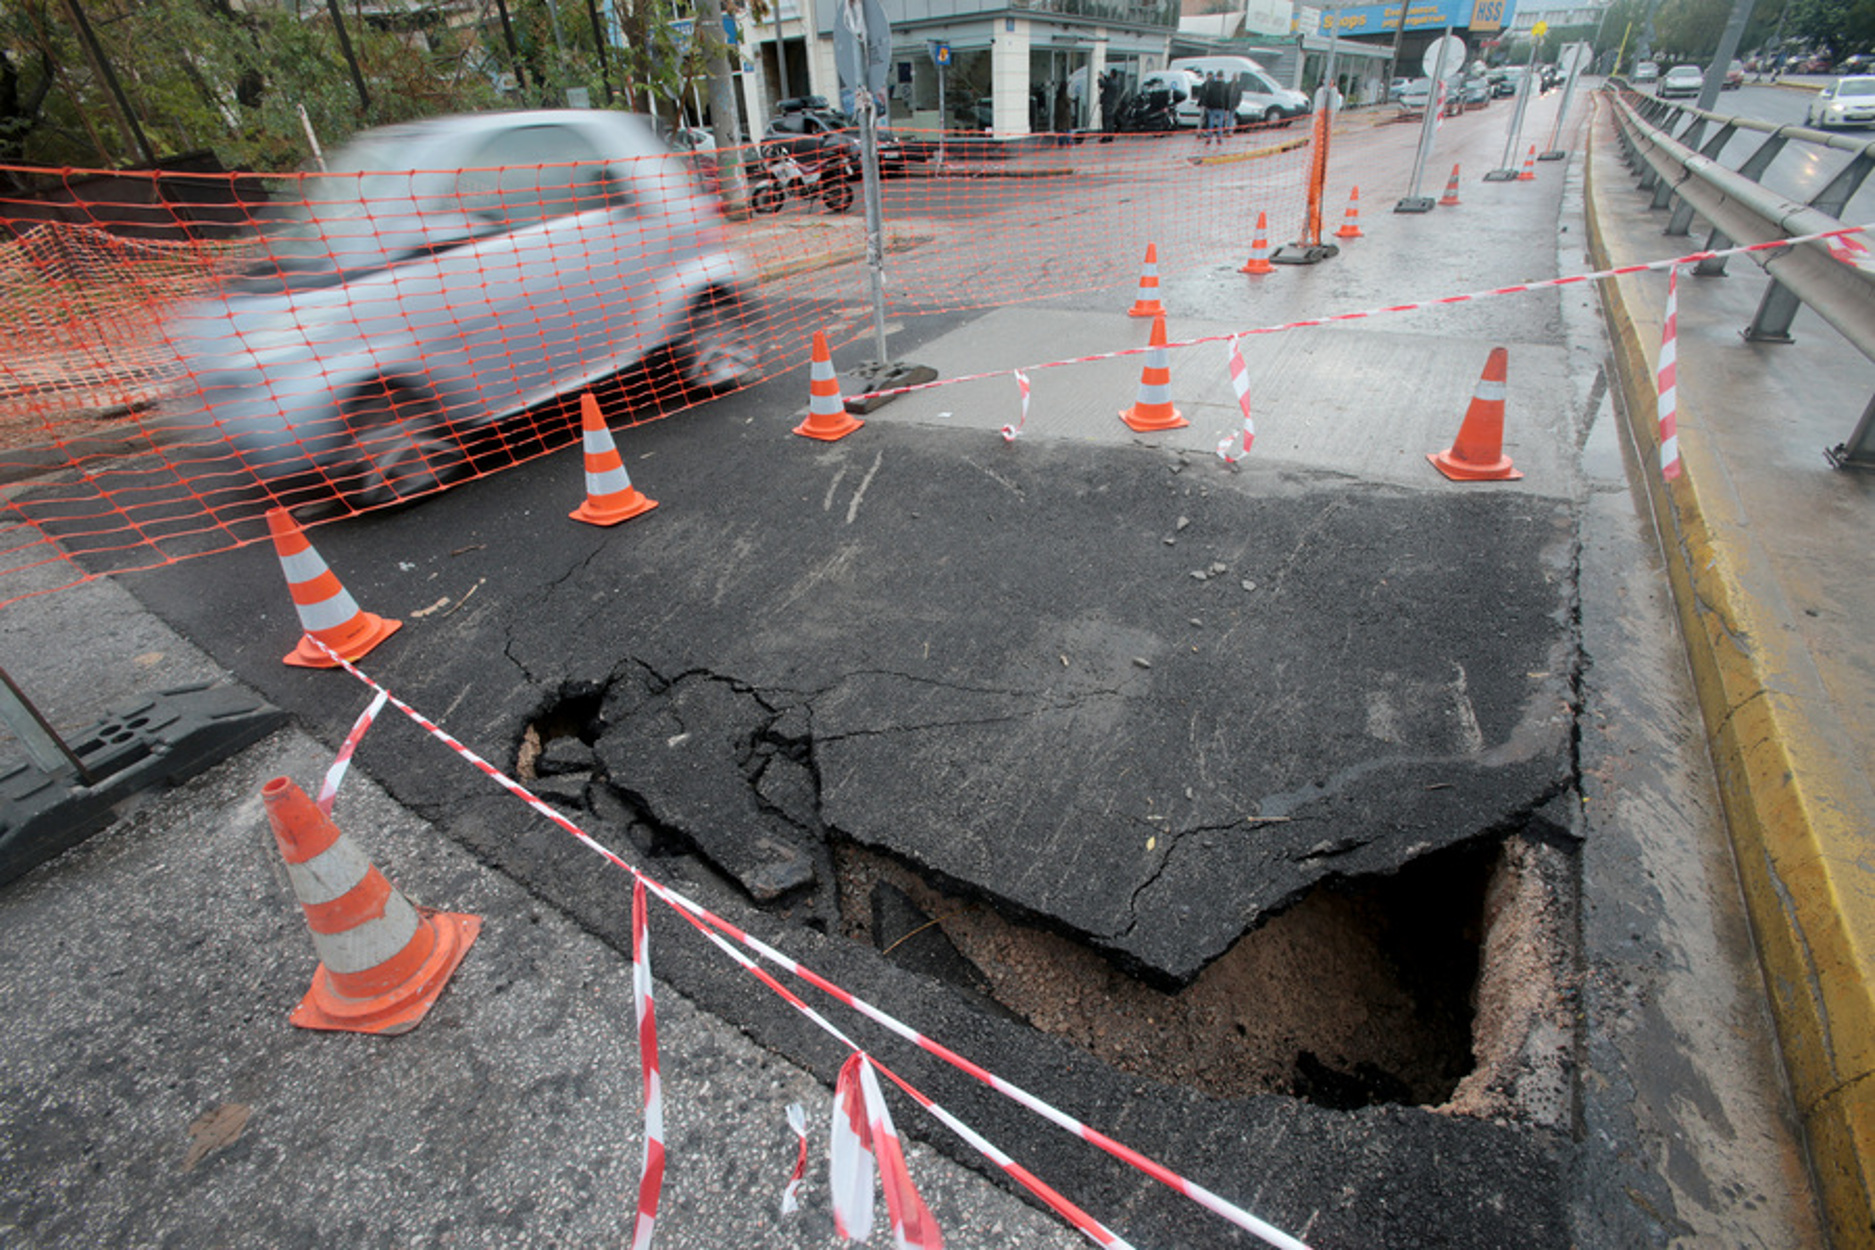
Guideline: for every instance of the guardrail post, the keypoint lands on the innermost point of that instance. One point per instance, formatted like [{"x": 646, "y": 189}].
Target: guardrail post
[
  {"x": 1859, "y": 451},
  {"x": 1753, "y": 168},
  {"x": 1682, "y": 222},
  {"x": 1835, "y": 197},
  {"x": 1776, "y": 311}
]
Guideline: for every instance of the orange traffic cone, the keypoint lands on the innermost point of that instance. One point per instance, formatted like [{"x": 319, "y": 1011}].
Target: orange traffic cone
[
  {"x": 382, "y": 961},
  {"x": 827, "y": 417},
  {"x": 1478, "y": 453},
  {"x": 1154, "y": 410},
  {"x": 1148, "y": 305},
  {"x": 1450, "y": 198},
  {"x": 1351, "y": 222},
  {"x": 610, "y": 495},
  {"x": 1529, "y": 166},
  {"x": 1259, "y": 261},
  {"x": 326, "y": 611}
]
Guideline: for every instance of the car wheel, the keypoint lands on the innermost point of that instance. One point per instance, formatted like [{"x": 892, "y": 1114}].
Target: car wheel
[
  {"x": 402, "y": 446},
  {"x": 1272, "y": 115},
  {"x": 838, "y": 195},
  {"x": 716, "y": 348}
]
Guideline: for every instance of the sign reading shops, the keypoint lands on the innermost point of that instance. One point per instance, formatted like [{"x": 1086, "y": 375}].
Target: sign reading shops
[{"x": 1479, "y": 16}]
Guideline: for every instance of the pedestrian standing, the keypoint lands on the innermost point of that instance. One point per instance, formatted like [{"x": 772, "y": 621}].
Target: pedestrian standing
[{"x": 1213, "y": 98}]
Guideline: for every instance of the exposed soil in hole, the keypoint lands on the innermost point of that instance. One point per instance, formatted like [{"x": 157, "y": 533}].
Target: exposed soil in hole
[{"x": 1361, "y": 993}]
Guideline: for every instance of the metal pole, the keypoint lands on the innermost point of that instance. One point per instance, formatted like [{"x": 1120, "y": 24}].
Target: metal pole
[
  {"x": 781, "y": 52},
  {"x": 875, "y": 211},
  {"x": 1428, "y": 127},
  {"x": 1722, "y": 59},
  {"x": 1568, "y": 94},
  {"x": 48, "y": 751},
  {"x": 944, "y": 118},
  {"x": 1516, "y": 116}
]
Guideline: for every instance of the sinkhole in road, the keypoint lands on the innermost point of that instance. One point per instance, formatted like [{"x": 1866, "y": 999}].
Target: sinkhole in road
[{"x": 1446, "y": 984}]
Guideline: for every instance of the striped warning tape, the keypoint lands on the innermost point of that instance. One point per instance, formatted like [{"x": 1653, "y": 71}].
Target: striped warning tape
[
  {"x": 329, "y": 788},
  {"x": 651, "y": 1176},
  {"x": 1012, "y": 432},
  {"x": 791, "y": 1196},
  {"x": 714, "y": 928},
  {"x": 1667, "y": 384},
  {"x": 701, "y": 919},
  {"x": 1834, "y": 240},
  {"x": 1239, "y": 382}
]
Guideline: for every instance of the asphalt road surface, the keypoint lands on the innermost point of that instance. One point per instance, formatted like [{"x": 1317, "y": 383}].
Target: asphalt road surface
[{"x": 1135, "y": 699}]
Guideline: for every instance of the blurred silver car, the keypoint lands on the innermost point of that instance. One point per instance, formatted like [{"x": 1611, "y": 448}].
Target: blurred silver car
[{"x": 396, "y": 314}]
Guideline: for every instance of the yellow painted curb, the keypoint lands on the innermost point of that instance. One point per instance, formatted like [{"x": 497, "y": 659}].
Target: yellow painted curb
[{"x": 1803, "y": 850}]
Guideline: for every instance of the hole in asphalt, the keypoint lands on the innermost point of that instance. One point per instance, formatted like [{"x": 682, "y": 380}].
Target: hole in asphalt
[
  {"x": 1445, "y": 985},
  {"x": 1360, "y": 993}
]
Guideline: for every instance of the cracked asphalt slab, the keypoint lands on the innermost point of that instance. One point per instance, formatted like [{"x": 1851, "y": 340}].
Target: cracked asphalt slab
[
  {"x": 1141, "y": 699},
  {"x": 1125, "y": 693}
]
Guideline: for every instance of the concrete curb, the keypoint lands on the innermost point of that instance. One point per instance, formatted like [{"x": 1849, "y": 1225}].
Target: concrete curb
[{"x": 1798, "y": 831}]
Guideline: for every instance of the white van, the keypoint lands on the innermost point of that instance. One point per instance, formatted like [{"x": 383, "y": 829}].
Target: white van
[{"x": 1263, "y": 100}]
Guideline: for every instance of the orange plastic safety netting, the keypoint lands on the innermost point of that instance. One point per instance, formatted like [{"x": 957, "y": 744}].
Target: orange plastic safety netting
[{"x": 178, "y": 353}]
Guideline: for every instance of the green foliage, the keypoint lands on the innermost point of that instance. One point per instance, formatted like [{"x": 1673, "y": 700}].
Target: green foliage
[
  {"x": 205, "y": 74},
  {"x": 1840, "y": 26}
]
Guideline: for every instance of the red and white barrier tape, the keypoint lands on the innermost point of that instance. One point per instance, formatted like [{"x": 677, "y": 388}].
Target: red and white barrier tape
[
  {"x": 849, "y": 1156},
  {"x": 791, "y": 1195},
  {"x": 1666, "y": 382},
  {"x": 651, "y": 1176},
  {"x": 912, "y": 1225},
  {"x": 1831, "y": 239},
  {"x": 1012, "y": 432},
  {"x": 329, "y": 788},
  {"x": 1239, "y": 382},
  {"x": 708, "y": 924}
]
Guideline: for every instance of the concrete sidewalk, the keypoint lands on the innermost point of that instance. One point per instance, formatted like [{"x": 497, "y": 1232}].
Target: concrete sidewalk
[{"x": 1770, "y": 561}]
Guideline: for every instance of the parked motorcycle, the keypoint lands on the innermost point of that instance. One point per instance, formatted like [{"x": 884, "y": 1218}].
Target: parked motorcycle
[
  {"x": 782, "y": 176},
  {"x": 1152, "y": 110}
]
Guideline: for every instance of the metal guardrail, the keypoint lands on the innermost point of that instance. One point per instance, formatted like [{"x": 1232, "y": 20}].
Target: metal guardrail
[{"x": 1740, "y": 210}]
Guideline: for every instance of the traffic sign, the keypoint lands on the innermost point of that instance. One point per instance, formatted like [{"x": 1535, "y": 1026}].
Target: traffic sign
[{"x": 862, "y": 45}]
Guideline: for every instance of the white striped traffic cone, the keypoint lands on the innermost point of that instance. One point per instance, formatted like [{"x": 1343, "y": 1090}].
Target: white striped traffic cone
[
  {"x": 1154, "y": 410},
  {"x": 610, "y": 495},
  {"x": 1259, "y": 261},
  {"x": 326, "y": 611},
  {"x": 1477, "y": 454},
  {"x": 382, "y": 962},
  {"x": 1147, "y": 304},
  {"x": 827, "y": 417}
]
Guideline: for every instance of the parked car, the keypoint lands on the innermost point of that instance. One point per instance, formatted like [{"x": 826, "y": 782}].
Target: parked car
[
  {"x": 458, "y": 271},
  {"x": 1646, "y": 71},
  {"x": 816, "y": 136},
  {"x": 1849, "y": 101},
  {"x": 1681, "y": 80},
  {"x": 1476, "y": 93},
  {"x": 1734, "y": 76}
]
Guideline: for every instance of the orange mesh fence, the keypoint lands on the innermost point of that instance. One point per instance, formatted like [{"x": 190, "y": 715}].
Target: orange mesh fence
[{"x": 187, "y": 352}]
